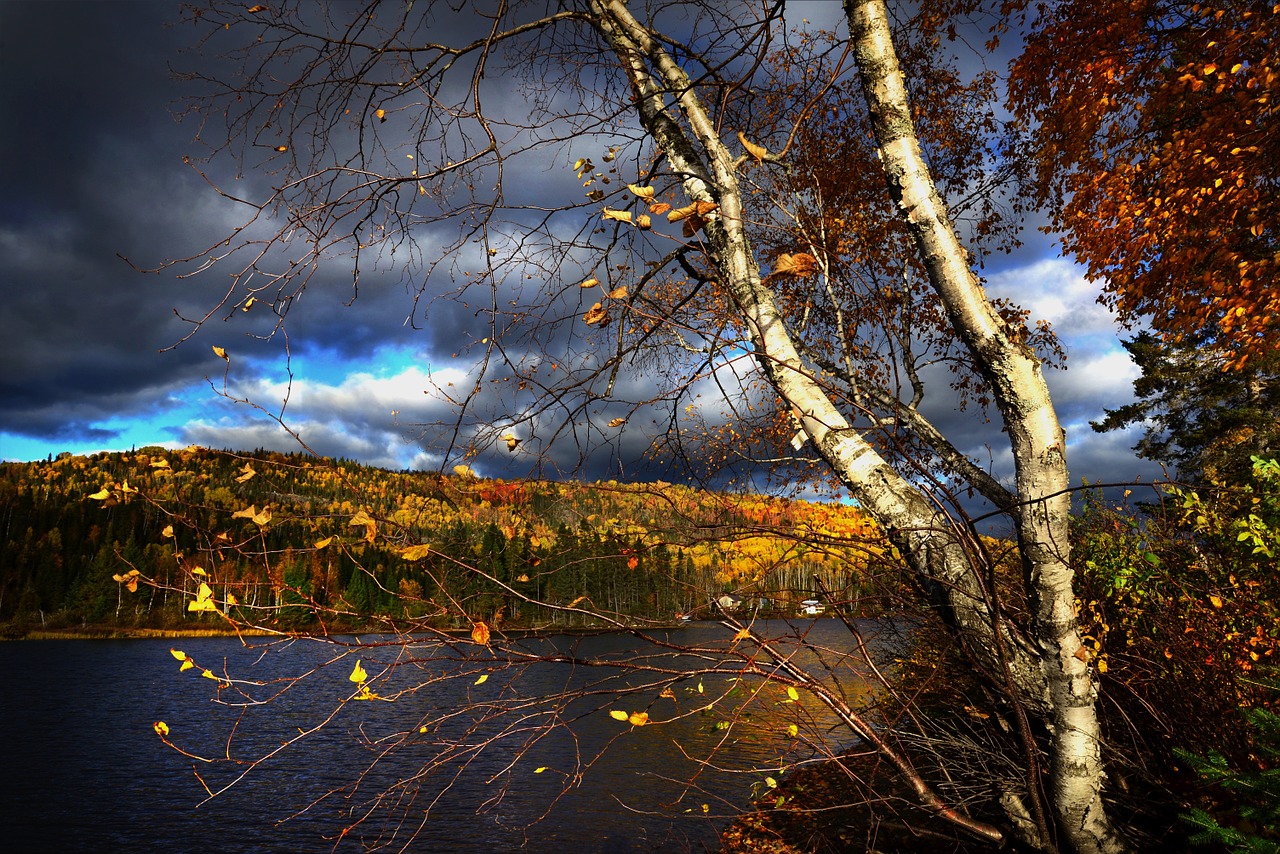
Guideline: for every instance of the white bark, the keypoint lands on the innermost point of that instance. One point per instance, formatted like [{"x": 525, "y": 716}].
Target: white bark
[
  {"x": 936, "y": 549},
  {"x": 1035, "y": 436}
]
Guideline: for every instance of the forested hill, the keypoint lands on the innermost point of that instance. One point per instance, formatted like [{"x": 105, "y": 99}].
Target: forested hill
[{"x": 300, "y": 542}]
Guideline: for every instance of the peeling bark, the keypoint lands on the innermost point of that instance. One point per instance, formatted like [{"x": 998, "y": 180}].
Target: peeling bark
[{"x": 1035, "y": 437}]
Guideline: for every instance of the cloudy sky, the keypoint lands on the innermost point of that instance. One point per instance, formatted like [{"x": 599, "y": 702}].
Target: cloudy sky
[{"x": 93, "y": 152}]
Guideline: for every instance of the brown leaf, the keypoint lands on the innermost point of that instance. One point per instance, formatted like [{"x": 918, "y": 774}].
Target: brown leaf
[{"x": 659, "y": 208}]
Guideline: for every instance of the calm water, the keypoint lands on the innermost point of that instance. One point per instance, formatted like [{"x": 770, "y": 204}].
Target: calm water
[{"x": 83, "y": 770}]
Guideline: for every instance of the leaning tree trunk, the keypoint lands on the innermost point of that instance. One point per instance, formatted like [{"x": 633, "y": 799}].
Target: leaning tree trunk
[
  {"x": 1035, "y": 436},
  {"x": 931, "y": 544}
]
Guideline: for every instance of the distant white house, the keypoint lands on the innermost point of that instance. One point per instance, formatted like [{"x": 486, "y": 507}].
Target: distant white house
[
  {"x": 728, "y": 602},
  {"x": 812, "y": 607}
]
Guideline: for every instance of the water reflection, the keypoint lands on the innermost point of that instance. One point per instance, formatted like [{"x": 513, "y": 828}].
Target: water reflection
[{"x": 445, "y": 759}]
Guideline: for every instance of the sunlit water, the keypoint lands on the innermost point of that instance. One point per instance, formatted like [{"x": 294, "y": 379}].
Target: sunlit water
[{"x": 83, "y": 770}]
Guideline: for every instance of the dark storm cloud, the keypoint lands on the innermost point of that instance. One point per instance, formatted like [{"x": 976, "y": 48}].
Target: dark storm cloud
[
  {"x": 87, "y": 116},
  {"x": 93, "y": 168}
]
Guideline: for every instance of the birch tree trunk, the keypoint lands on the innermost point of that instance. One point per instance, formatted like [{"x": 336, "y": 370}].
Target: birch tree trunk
[
  {"x": 1048, "y": 676},
  {"x": 1035, "y": 436}
]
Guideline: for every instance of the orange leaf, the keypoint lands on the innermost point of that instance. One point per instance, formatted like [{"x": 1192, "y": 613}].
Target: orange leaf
[
  {"x": 800, "y": 264},
  {"x": 480, "y": 634}
]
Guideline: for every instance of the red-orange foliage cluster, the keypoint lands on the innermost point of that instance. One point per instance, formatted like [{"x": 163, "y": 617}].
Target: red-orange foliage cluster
[{"x": 1157, "y": 150}]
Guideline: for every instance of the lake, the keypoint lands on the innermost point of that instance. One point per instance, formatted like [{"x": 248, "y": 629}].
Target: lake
[{"x": 444, "y": 759}]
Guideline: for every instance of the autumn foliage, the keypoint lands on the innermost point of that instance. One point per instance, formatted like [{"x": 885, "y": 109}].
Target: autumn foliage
[
  {"x": 283, "y": 541},
  {"x": 1156, "y": 148}
]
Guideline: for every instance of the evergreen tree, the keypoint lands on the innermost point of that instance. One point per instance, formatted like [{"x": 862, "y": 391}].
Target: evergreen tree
[{"x": 1201, "y": 419}]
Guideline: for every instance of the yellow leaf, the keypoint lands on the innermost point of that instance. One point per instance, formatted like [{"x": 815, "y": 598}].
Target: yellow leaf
[
  {"x": 186, "y": 665},
  {"x": 699, "y": 686},
  {"x": 160, "y": 464},
  {"x": 370, "y": 526},
  {"x": 512, "y": 441},
  {"x": 246, "y": 473},
  {"x": 620, "y": 216},
  {"x": 102, "y": 494},
  {"x": 232, "y": 600},
  {"x": 463, "y": 471},
  {"x": 539, "y": 770},
  {"x": 262, "y": 518},
  {"x": 1102, "y": 665},
  {"x": 221, "y": 354},
  {"x": 256, "y": 9},
  {"x": 596, "y": 314},
  {"x": 589, "y": 283},
  {"x": 577, "y": 601},
  {"x": 178, "y": 654},
  {"x": 167, "y": 532},
  {"x": 208, "y": 674},
  {"x": 198, "y": 571},
  {"x": 757, "y": 152},
  {"x": 792, "y": 694},
  {"x": 1215, "y": 601},
  {"x": 281, "y": 149},
  {"x": 480, "y": 634},
  {"x": 247, "y": 513},
  {"x": 381, "y": 114},
  {"x": 417, "y": 552},
  {"x": 617, "y": 293},
  {"x": 523, "y": 578},
  {"x": 322, "y": 543},
  {"x": 358, "y": 675},
  {"x": 617, "y": 422},
  {"x": 645, "y": 193},
  {"x": 161, "y": 728},
  {"x": 743, "y": 634},
  {"x": 770, "y": 782},
  {"x": 638, "y": 718},
  {"x": 644, "y": 222},
  {"x": 793, "y": 730},
  {"x": 481, "y": 680},
  {"x": 618, "y": 715},
  {"x": 204, "y": 600}
]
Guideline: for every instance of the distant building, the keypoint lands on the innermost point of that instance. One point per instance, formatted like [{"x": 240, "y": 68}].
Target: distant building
[
  {"x": 812, "y": 607},
  {"x": 728, "y": 602}
]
